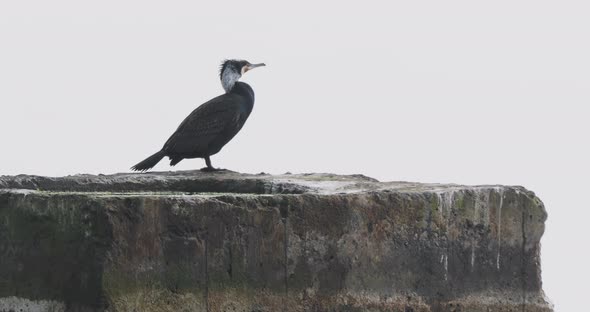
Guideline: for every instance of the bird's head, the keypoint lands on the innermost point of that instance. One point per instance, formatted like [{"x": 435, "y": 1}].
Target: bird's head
[{"x": 232, "y": 70}]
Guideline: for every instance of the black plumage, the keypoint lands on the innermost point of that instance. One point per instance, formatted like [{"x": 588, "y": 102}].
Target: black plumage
[{"x": 213, "y": 124}]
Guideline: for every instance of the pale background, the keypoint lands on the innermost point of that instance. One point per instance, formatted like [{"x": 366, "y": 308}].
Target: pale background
[{"x": 473, "y": 92}]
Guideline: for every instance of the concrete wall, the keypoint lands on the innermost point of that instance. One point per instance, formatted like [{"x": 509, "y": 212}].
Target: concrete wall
[{"x": 190, "y": 241}]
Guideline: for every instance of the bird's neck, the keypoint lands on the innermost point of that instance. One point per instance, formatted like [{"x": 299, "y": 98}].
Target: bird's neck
[
  {"x": 229, "y": 79},
  {"x": 243, "y": 89}
]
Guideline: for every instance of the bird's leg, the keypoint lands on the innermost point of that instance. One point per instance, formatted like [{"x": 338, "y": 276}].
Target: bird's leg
[
  {"x": 209, "y": 166},
  {"x": 208, "y": 162}
]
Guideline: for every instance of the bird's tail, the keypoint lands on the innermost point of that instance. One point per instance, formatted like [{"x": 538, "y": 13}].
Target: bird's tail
[{"x": 149, "y": 162}]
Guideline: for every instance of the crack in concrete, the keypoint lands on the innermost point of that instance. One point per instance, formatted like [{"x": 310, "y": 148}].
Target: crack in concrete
[{"x": 501, "y": 193}]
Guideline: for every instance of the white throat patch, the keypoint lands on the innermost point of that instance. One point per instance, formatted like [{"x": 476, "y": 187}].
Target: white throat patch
[{"x": 229, "y": 79}]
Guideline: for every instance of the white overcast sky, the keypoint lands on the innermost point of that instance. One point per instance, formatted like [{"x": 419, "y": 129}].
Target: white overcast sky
[{"x": 472, "y": 92}]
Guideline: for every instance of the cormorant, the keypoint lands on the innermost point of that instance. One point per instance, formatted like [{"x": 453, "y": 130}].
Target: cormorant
[{"x": 210, "y": 126}]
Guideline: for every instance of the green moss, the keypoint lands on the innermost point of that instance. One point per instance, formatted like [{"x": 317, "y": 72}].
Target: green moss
[
  {"x": 459, "y": 201},
  {"x": 176, "y": 278},
  {"x": 150, "y": 291}
]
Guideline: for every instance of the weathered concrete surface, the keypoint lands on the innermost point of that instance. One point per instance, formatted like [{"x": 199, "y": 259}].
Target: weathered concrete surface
[{"x": 192, "y": 241}]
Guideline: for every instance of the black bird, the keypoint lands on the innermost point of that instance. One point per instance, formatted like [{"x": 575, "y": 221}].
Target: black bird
[{"x": 210, "y": 126}]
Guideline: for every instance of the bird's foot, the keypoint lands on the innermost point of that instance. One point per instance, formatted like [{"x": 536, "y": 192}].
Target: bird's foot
[{"x": 210, "y": 169}]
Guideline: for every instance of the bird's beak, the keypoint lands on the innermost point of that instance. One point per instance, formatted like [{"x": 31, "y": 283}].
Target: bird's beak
[{"x": 252, "y": 66}]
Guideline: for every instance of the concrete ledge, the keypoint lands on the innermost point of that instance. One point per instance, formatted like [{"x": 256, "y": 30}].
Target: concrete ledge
[{"x": 223, "y": 241}]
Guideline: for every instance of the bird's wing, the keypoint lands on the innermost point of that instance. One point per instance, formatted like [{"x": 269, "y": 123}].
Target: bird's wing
[{"x": 204, "y": 124}]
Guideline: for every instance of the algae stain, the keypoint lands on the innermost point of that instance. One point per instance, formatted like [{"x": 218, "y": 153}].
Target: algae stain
[{"x": 445, "y": 208}]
